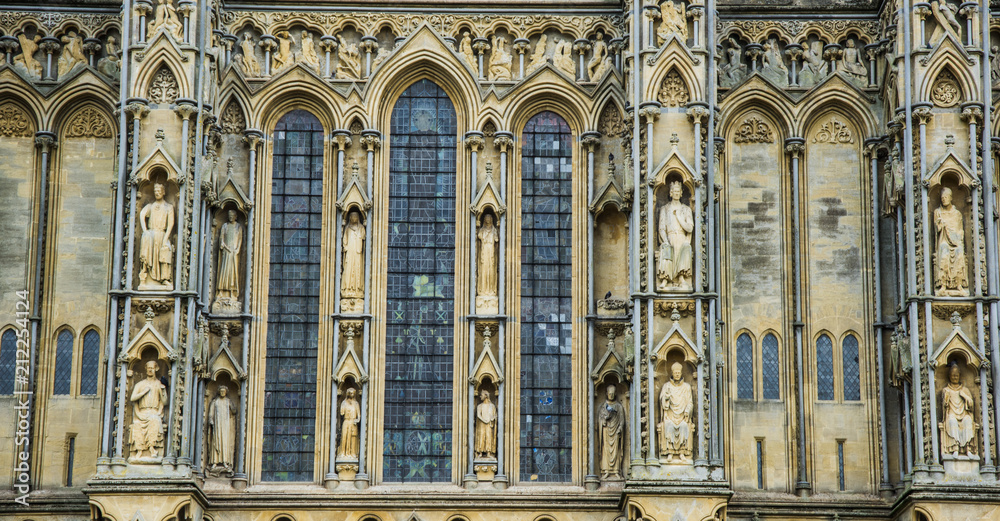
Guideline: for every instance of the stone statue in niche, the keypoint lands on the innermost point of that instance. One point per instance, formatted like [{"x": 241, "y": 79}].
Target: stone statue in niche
[
  {"x": 148, "y": 398},
  {"x": 734, "y": 70},
  {"x": 612, "y": 422},
  {"x": 72, "y": 53},
  {"x": 673, "y": 20},
  {"x": 813, "y": 66},
  {"x": 251, "y": 67},
  {"x": 676, "y": 404},
  {"x": 465, "y": 47},
  {"x": 486, "y": 427},
  {"x": 156, "y": 254},
  {"x": 600, "y": 62},
  {"x": 500, "y": 60},
  {"x": 352, "y": 279},
  {"x": 228, "y": 283},
  {"x": 350, "y": 413},
  {"x": 947, "y": 23},
  {"x": 562, "y": 57},
  {"x": 893, "y": 181},
  {"x": 852, "y": 64},
  {"x": 952, "y": 277},
  {"x": 349, "y": 60},
  {"x": 166, "y": 16},
  {"x": 538, "y": 56},
  {"x": 995, "y": 64},
  {"x": 673, "y": 258},
  {"x": 958, "y": 430},
  {"x": 109, "y": 65},
  {"x": 26, "y": 59},
  {"x": 283, "y": 57},
  {"x": 220, "y": 436},
  {"x": 486, "y": 274},
  {"x": 308, "y": 54},
  {"x": 774, "y": 67}
]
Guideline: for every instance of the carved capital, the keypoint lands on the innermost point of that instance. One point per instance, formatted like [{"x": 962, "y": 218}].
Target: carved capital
[
  {"x": 591, "y": 140},
  {"x": 137, "y": 108},
  {"x": 474, "y": 142},
  {"x": 833, "y": 52},
  {"x": 652, "y": 12},
  {"x": 185, "y": 110},
  {"x": 922, "y": 10},
  {"x": 328, "y": 43},
  {"x": 45, "y": 141},
  {"x": 972, "y": 113},
  {"x": 480, "y": 45},
  {"x": 922, "y": 115},
  {"x": 697, "y": 113},
  {"x": 650, "y": 111},
  {"x": 795, "y": 146},
  {"x": 503, "y": 142},
  {"x": 753, "y": 50},
  {"x": 969, "y": 9},
  {"x": 794, "y": 52},
  {"x": 371, "y": 141},
  {"x": 91, "y": 46},
  {"x": 369, "y": 44},
  {"x": 582, "y": 45},
  {"x": 252, "y": 138},
  {"x": 343, "y": 140},
  {"x": 268, "y": 43},
  {"x": 521, "y": 45},
  {"x": 49, "y": 45},
  {"x": 143, "y": 8}
]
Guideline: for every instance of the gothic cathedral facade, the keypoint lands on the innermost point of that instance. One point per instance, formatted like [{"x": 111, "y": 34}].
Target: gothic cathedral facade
[{"x": 467, "y": 260}]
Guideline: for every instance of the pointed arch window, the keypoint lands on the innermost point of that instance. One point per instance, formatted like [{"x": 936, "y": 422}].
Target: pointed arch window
[
  {"x": 420, "y": 334},
  {"x": 89, "y": 362},
  {"x": 293, "y": 299},
  {"x": 8, "y": 361},
  {"x": 546, "y": 303},
  {"x": 824, "y": 368},
  {"x": 64, "y": 362},
  {"x": 852, "y": 372},
  {"x": 744, "y": 367},
  {"x": 770, "y": 368}
]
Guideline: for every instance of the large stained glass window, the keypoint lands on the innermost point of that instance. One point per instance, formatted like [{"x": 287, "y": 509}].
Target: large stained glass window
[
  {"x": 852, "y": 369},
  {"x": 293, "y": 299},
  {"x": 744, "y": 367},
  {"x": 64, "y": 362},
  {"x": 546, "y": 304},
  {"x": 420, "y": 335},
  {"x": 771, "y": 379},
  {"x": 824, "y": 368}
]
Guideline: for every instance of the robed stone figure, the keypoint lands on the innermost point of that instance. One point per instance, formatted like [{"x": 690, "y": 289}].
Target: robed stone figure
[
  {"x": 486, "y": 283},
  {"x": 486, "y": 427},
  {"x": 230, "y": 243},
  {"x": 676, "y": 222},
  {"x": 952, "y": 268},
  {"x": 350, "y": 413},
  {"x": 156, "y": 254},
  {"x": 612, "y": 421},
  {"x": 958, "y": 433},
  {"x": 352, "y": 282},
  {"x": 676, "y": 404},
  {"x": 148, "y": 399},
  {"x": 220, "y": 426}
]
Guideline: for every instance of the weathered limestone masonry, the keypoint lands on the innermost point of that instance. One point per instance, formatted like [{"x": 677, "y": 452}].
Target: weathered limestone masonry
[{"x": 554, "y": 260}]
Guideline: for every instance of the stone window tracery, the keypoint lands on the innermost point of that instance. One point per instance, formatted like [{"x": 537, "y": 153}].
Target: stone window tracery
[
  {"x": 64, "y": 363},
  {"x": 90, "y": 362},
  {"x": 293, "y": 299},
  {"x": 852, "y": 370},
  {"x": 744, "y": 367},
  {"x": 770, "y": 368},
  {"x": 546, "y": 303},
  {"x": 824, "y": 368}
]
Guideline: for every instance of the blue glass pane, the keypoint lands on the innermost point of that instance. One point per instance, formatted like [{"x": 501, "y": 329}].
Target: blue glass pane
[
  {"x": 293, "y": 299},
  {"x": 546, "y": 304},
  {"x": 771, "y": 377},
  {"x": 64, "y": 363},
  {"x": 420, "y": 320},
  {"x": 8, "y": 361},
  {"x": 852, "y": 372},
  {"x": 744, "y": 367},
  {"x": 824, "y": 368},
  {"x": 89, "y": 363}
]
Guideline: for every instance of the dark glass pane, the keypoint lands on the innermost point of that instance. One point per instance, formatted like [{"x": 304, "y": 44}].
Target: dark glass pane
[
  {"x": 64, "y": 363},
  {"x": 420, "y": 305},
  {"x": 744, "y": 367},
  {"x": 8, "y": 361},
  {"x": 771, "y": 377},
  {"x": 546, "y": 304},
  {"x": 293, "y": 299},
  {"x": 824, "y": 368},
  {"x": 89, "y": 362},
  {"x": 852, "y": 371}
]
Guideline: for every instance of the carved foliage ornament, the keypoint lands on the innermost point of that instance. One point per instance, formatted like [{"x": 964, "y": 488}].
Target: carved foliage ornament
[
  {"x": 673, "y": 91},
  {"x": 14, "y": 122},
  {"x": 754, "y": 130},
  {"x": 164, "y": 88},
  {"x": 232, "y": 120},
  {"x": 834, "y": 132},
  {"x": 945, "y": 92},
  {"x": 89, "y": 122},
  {"x": 610, "y": 123}
]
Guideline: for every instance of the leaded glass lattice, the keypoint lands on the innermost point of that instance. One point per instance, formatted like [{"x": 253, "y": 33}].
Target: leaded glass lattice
[
  {"x": 420, "y": 334},
  {"x": 744, "y": 367},
  {"x": 89, "y": 362},
  {"x": 8, "y": 361},
  {"x": 64, "y": 363},
  {"x": 852, "y": 371},
  {"x": 771, "y": 374},
  {"x": 546, "y": 304},
  {"x": 293, "y": 299},
  {"x": 824, "y": 368}
]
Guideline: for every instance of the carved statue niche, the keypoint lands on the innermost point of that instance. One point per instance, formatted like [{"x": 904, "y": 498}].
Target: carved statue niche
[
  {"x": 147, "y": 361},
  {"x": 354, "y": 204},
  {"x": 600, "y": 61},
  {"x": 562, "y": 56},
  {"x": 538, "y": 56},
  {"x": 110, "y": 64},
  {"x": 486, "y": 422},
  {"x": 249, "y": 61},
  {"x": 155, "y": 224},
  {"x": 350, "y": 377},
  {"x": 500, "y": 59},
  {"x": 949, "y": 191},
  {"x": 307, "y": 52},
  {"x": 348, "y": 59},
  {"x": 947, "y": 24},
  {"x": 773, "y": 63},
  {"x": 956, "y": 364},
  {"x": 853, "y": 64},
  {"x": 734, "y": 70},
  {"x": 485, "y": 383},
  {"x": 71, "y": 55},
  {"x": 487, "y": 208},
  {"x": 814, "y": 68},
  {"x": 222, "y": 399},
  {"x": 611, "y": 428},
  {"x": 674, "y": 231},
  {"x": 349, "y": 413},
  {"x": 229, "y": 268},
  {"x": 675, "y": 365},
  {"x": 465, "y": 49},
  {"x": 673, "y": 21},
  {"x": 165, "y": 16},
  {"x": 25, "y": 61}
]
